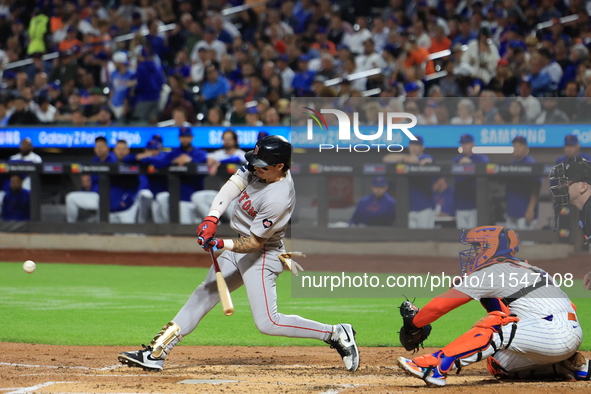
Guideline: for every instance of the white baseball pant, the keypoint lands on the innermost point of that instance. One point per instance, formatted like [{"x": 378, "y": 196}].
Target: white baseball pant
[
  {"x": 421, "y": 219},
  {"x": 258, "y": 272},
  {"x": 466, "y": 219},
  {"x": 520, "y": 224},
  {"x": 186, "y": 210},
  {"x": 75, "y": 201}
]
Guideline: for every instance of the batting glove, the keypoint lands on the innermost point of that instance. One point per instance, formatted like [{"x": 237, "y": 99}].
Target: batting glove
[
  {"x": 213, "y": 244},
  {"x": 286, "y": 259},
  {"x": 207, "y": 229}
]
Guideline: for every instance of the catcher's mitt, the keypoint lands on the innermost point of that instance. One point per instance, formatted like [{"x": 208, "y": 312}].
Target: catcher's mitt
[{"x": 412, "y": 337}]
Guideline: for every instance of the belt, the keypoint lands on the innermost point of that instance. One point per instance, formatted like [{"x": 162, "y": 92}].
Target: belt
[{"x": 572, "y": 316}]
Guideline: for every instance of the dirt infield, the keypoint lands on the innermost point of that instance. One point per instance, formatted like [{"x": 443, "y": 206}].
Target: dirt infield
[
  {"x": 26, "y": 368},
  {"x": 69, "y": 369}
]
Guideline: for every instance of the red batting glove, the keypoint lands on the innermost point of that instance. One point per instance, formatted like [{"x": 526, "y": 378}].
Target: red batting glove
[
  {"x": 214, "y": 244},
  {"x": 207, "y": 229}
]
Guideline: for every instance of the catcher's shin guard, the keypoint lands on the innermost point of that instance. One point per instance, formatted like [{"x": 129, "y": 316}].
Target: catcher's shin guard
[
  {"x": 472, "y": 346},
  {"x": 166, "y": 339}
]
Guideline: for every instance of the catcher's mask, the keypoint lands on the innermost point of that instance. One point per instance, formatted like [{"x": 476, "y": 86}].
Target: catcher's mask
[
  {"x": 485, "y": 243},
  {"x": 562, "y": 175}
]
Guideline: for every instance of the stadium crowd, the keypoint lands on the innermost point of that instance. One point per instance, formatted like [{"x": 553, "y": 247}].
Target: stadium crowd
[{"x": 185, "y": 62}]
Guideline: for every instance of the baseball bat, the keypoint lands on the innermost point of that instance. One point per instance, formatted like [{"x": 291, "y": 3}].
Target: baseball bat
[{"x": 222, "y": 287}]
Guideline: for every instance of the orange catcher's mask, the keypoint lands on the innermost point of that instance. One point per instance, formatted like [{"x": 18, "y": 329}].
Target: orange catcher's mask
[{"x": 485, "y": 243}]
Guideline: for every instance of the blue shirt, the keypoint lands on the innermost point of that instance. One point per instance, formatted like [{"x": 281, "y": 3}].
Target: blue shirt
[
  {"x": 219, "y": 88},
  {"x": 373, "y": 211},
  {"x": 465, "y": 187},
  {"x": 17, "y": 205},
  {"x": 155, "y": 183},
  {"x": 189, "y": 183},
  {"x": 94, "y": 177},
  {"x": 541, "y": 83},
  {"x": 518, "y": 191},
  {"x": 302, "y": 82},
  {"x": 421, "y": 190},
  {"x": 119, "y": 87},
  {"x": 460, "y": 39},
  {"x": 150, "y": 81},
  {"x": 445, "y": 199}
]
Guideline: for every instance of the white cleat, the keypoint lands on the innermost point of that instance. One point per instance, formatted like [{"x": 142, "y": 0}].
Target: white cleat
[
  {"x": 343, "y": 340},
  {"x": 142, "y": 359}
]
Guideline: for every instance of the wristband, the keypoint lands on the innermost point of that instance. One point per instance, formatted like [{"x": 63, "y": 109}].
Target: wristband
[{"x": 228, "y": 244}]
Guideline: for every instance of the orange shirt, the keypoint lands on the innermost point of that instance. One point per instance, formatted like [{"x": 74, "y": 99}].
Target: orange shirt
[
  {"x": 55, "y": 23},
  {"x": 418, "y": 57},
  {"x": 438, "y": 46},
  {"x": 68, "y": 44},
  {"x": 331, "y": 47}
]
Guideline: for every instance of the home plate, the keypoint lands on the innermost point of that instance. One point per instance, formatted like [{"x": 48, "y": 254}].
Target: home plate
[{"x": 208, "y": 381}]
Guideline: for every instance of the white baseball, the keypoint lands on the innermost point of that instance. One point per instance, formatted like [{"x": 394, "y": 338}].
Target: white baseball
[{"x": 29, "y": 266}]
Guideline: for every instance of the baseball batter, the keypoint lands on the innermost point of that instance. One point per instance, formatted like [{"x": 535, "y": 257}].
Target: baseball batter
[
  {"x": 266, "y": 199},
  {"x": 531, "y": 328}
]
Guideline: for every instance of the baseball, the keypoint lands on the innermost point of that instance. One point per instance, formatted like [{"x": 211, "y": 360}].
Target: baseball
[{"x": 29, "y": 266}]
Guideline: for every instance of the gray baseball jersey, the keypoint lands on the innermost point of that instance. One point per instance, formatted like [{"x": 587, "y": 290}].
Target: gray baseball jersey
[{"x": 263, "y": 209}]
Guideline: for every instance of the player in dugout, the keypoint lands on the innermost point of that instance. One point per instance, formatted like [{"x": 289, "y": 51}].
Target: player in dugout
[{"x": 531, "y": 330}]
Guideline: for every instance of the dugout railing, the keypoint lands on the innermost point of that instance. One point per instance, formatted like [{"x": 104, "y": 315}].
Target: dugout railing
[{"x": 303, "y": 173}]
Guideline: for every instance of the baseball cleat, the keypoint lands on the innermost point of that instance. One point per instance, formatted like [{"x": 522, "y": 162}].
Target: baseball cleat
[
  {"x": 142, "y": 359},
  {"x": 430, "y": 375},
  {"x": 578, "y": 367},
  {"x": 343, "y": 340}
]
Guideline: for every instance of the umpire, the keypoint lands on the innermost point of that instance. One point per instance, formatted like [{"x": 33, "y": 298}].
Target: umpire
[{"x": 570, "y": 184}]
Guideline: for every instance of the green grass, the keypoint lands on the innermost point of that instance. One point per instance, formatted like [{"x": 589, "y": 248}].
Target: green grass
[{"x": 70, "y": 304}]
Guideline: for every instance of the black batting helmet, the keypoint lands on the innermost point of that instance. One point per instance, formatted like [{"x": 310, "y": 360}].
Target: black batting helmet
[{"x": 270, "y": 150}]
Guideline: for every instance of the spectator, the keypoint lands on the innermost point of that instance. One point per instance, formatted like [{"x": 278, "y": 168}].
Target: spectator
[
  {"x": 238, "y": 116},
  {"x": 22, "y": 115},
  {"x": 70, "y": 41},
  {"x": 147, "y": 88},
  {"x": 504, "y": 80},
  {"x": 421, "y": 215},
  {"x": 302, "y": 81},
  {"x": 550, "y": 67},
  {"x": 16, "y": 204},
  {"x": 65, "y": 70},
  {"x": 531, "y": 105},
  {"x": 466, "y": 34},
  {"x": 376, "y": 209},
  {"x": 551, "y": 113},
  {"x": 572, "y": 148},
  {"x": 356, "y": 39},
  {"x": 541, "y": 81},
  {"x": 465, "y": 112},
  {"x": 516, "y": 113},
  {"x": 286, "y": 73},
  {"x": 216, "y": 86},
  {"x": 487, "y": 103},
  {"x": 465, "y": 187},
  {"x": 157, "y": 44},
  {"x": 522, "y": 194},
  {"x": 104, "y": 117},
  {"x": 177, "y": 100},
  {"x": 208, "y": 42},
  {"x": 38, "y": 66},
  {"x": 4, "y": 114},
  {"x": 443, "y": 198},
  {"x": 252, "y": 117},
  {"x": 482, "y": 55},
  {"x": 43, "y": 110},
  {"x": 439, "y": 42},
  {"x": 190, "y": 184},
  {"x": 120, "y": 87},
  {"x": 77, "y": 118},
  {"x": 37, "y": 29}
]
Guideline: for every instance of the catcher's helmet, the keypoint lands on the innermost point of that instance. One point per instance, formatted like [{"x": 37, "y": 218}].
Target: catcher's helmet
[
  {"x": 574, "y": 169},
  {"x": 270, "y": 150},
  {"x": 485, "y": 243}
]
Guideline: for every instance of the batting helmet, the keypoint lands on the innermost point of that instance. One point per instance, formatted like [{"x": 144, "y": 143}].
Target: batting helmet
[
  {"x": 270, "y": 150},
  {"x": 574, "y": 169},
  {"x": 485, "y": 243}
]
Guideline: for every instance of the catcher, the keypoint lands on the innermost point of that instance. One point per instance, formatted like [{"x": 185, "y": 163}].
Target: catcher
[{"x": 531, "y": 329}]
